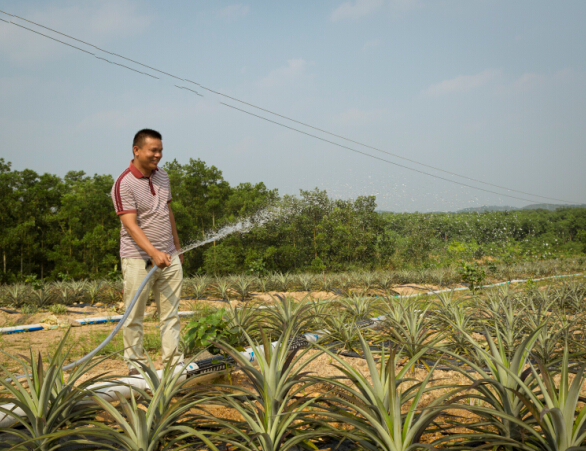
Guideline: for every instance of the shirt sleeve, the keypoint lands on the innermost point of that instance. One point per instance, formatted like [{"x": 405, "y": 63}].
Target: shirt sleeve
[{"x": 123, "y": 198}]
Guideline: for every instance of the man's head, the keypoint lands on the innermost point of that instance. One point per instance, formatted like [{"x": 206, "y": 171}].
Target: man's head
[{"x": 147, "y": 148}]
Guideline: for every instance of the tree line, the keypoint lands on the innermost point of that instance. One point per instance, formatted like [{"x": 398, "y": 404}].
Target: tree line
[{"x": 65, "y": 227}]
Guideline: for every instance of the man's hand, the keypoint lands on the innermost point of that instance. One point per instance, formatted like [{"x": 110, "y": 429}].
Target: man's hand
[{"x": 161, "y": 259}]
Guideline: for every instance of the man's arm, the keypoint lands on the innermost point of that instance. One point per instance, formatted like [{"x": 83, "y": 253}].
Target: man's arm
[
  {"x": 175, "y": 234},
  {"x": 161, "y": 259}
]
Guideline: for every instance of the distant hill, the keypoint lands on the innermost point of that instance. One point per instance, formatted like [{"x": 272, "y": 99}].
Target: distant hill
[
  {"x": 551, "y": 206},
  {"x": 505, "y": 208},
  {"x": 487, "y": 208},
  {"x": 526, "y": 207}
]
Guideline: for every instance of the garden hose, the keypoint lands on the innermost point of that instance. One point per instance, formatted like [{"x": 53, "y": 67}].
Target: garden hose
[{"x": 107, "y": 340}]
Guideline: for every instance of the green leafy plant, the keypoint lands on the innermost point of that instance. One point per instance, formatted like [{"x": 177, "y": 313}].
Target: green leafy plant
[
  {"x": 115, "y": 291},
  {"x": 262, "y": 282},
  {"x": 114, "y": 274},
  {"x": 542, "y": 415},
  {"x": 506, "y": 316},
  {"x": 203, "y": 332},
  {"x": 473, "y": 275},
  {"x": 257, "y": 267},
  {"x": 34, "y": 282},
  {"x": 79, "y": 290}
]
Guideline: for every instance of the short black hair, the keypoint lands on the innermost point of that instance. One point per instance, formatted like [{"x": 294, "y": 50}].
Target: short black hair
[{"x": 145, "y": 133}]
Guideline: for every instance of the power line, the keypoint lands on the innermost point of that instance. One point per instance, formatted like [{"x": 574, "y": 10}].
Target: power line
[
  {"x": 370, "y": 155},
  {"x": 184, "y": 87},
  {"x": 375, "y": 148},
  {"x": 57, "y": 40},
  {"x": 98, "y": 48},
  {"x": 282, "y": 116},
  {"x": 86, "y": 43}
]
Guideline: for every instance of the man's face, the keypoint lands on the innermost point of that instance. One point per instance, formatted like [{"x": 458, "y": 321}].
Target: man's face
[{"x": 150, "y": 153}]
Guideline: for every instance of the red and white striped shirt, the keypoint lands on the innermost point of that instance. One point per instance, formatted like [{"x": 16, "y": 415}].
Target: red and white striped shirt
[{"x": 148, "y": 197}]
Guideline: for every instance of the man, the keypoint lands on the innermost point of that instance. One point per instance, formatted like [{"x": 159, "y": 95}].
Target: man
[{"x": 148, "y": 235}]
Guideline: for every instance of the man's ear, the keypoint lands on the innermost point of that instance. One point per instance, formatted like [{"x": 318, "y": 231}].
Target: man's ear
[{"x": 134, "y": 150}]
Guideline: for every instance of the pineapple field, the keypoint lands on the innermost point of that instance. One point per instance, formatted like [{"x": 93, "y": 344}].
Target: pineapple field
[{"x": 381, "y": 360}]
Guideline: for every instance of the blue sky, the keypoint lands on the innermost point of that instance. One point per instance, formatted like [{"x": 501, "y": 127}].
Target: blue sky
[{"x": 495, "y": 91}]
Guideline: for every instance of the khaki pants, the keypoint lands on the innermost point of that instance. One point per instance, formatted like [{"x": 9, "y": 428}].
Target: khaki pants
[{"x": 166, "y": 286}]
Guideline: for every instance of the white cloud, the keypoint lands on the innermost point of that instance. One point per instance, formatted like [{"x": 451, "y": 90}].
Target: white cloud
[
  {"x": 355, "y": 9},
  {"x": 461, "y": 83},
  {"x": 96, "y": 22},
  {"x": 233, "y": 12},
  {"x": 531, "y": 80},
  {"x": 528, "y": 81},
  {"x": 294, "y": 70}
]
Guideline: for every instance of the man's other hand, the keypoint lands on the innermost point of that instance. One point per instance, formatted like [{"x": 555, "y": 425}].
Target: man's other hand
[{"x": 161, "y": 259}]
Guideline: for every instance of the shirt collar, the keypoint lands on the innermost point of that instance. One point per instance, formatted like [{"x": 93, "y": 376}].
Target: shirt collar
[{"x": 136, "y": 172}]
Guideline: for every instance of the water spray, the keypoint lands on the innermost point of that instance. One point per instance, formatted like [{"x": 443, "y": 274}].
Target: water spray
[
  {"x": 108, "y": 392},
  {"x": 243, "y": 226}
]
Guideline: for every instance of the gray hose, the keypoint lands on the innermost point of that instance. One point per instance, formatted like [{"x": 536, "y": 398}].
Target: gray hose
[
  {"x": 114, "y": 332},
  {"x": 118, "y": 326}
]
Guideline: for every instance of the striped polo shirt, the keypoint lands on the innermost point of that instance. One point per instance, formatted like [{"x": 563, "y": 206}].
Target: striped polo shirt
[{"x": 148, "y": 197}]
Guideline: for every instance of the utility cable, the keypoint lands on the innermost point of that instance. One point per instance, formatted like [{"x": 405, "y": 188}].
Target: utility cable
[
  {"x": 372, "y": 147},
  {"x": 373, "y": 156},
  {"x": 284, "y": 117}
]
